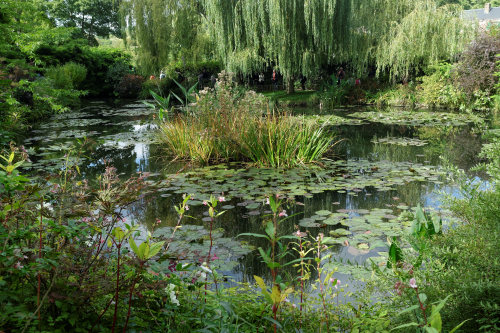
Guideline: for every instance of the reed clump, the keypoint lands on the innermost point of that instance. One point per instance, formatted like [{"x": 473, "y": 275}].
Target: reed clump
[{"x": 228, "y": 123}]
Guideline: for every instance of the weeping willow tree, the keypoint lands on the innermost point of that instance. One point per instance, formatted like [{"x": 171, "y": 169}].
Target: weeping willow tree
[
  {"x": 164, "y": 31},
  {"x": 297, "y": 36},
  {"x": 425, "y": 34},
  {"x": 300, "y": 36}
]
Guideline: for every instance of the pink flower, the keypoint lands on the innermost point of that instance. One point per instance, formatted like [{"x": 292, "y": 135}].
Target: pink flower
[
  {"x": 205, "y": 202},
  {"x": 267, "y": 201},
  {"x": 282, "y": 213},
  {"x": 214, "y": 257},
  {"x": 337, "y": 284},
  {"x": 300, "y": 234},
  {"x": 222, "y": 199},
  {"x": 398, "y": 287},
  {"x": 186, "y": 207},
  {"x": 18, "y": 265},
  {"x": 413, "y": 283},
  {"x": 158, "y": 221}
]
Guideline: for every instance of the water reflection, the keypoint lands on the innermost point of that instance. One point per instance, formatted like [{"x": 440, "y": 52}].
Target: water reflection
[{"x": 123, "y": 138}]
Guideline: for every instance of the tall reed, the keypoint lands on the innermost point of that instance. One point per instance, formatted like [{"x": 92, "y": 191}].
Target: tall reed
[{"x": 227, "y": 124}]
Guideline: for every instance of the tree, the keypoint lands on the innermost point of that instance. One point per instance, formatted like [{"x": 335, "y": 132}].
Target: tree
[
  {"x": 300, "y": 36},
  {"x": 92, "y": 17},
  {"x": 424, "y": 35},
  {"x": 165, "y": 31}
]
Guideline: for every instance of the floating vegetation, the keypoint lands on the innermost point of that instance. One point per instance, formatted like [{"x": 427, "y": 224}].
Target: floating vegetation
[
  {"x": 139, "y": 111},
  {"x": 401, "y": 141},
  {"x": 73, "y": 123},
  {"x": 419, "y": 118},
  {"x": 342, "y": 176},
  {"x": 333, "y": 120},
  {"x": 191, "y": 243}
]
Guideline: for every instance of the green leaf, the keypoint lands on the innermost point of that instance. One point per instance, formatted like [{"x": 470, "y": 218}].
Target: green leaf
[
  {"x": 155, "y": 248},
  {"x": 143, "y": 251},
  {"x": 254, "y": 235},
  {"x": 404, "y": 326},
  {"x": 411, "y": 308},
  {"x": 436, "y": 321},
  {"x": 133, "y": 246},
  {"x": 459, "y": 325},
  {"x": 270, "y": 230}
]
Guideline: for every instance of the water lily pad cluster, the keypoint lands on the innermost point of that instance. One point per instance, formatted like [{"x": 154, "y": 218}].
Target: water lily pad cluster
[
  {"x": 114, "y": 128},
  {"x": 420, "y": 118},
  {"x": 191, "y": 244},
  {"x": 400, "y": 141},
  {"x": 332, "y": 119},
  {"x": 343, "y": 176}
]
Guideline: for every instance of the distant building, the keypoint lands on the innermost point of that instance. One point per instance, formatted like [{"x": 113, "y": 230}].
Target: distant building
[{"x": 485, "y": 16}]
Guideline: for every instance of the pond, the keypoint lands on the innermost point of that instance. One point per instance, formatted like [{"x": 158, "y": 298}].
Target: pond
[{"x": 385, "y": 165}]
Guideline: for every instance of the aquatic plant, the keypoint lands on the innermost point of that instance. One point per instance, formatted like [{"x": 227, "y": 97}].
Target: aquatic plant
[{"x": 228, "y": 125}]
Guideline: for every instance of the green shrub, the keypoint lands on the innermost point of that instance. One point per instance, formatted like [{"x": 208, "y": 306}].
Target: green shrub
[
  {"x": 129, "y": 86},
  {"x": 437, "y": 89},
  {"x": 68, "y": 76}
]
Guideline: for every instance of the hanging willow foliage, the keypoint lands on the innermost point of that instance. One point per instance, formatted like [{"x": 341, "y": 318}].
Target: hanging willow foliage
[
  {"x": 164, "y": 31},
  {"x": 425, "y": 35},
  {"x": 297, "y": 36},
  {"x": 300, "y": 36}
]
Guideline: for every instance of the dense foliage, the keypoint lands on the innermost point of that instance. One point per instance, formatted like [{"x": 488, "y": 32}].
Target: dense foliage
[{"x": 227, "y": 124}]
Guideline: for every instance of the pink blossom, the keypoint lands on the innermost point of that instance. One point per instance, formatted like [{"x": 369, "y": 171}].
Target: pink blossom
[
  {"x": 398, "y": 287},
  {"x": 267, "y": 201},
  {"x": 413, "y": 283},
  {"x": 205, "y": 202},
  {"x": 186, "y": 207},
  {"x": 222, "y": 199},
  {"x": 282, "y": 213},
  {"x": 300, "y": 234},
  {"x": 18, "y": 265},
  {"x": 337, "y": 284},
  {"x": 214, "y": 257}
]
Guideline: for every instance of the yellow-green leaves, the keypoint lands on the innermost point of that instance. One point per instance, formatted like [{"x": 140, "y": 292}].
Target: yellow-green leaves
[
  {"x": 276, "y": 296},
  {"x": 146, "y": 250}
]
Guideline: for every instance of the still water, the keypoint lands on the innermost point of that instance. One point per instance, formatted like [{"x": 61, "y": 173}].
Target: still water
[{"x": 380, "y": 170}]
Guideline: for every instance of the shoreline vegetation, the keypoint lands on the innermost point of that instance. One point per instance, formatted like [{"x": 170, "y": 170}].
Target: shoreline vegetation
[
  {"x": 72, "y": 261},
  {"x": 226, "y": 124}
]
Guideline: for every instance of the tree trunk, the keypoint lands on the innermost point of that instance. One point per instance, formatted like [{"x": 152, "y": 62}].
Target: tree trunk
[{"x": 290, "y": 88}]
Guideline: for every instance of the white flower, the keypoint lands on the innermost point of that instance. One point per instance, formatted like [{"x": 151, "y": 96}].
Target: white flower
[
  {"x": 205, "y": 268},
  {"x": 170, "y": 289},
  {"x": 46, "y": 205},
  {"x": 413, "y": 283}
]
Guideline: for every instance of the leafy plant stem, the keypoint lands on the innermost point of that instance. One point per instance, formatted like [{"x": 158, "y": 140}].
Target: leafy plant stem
[
  {"x": 130, "y": 295},
  {"x": 40, "y": 257},
  {"x": 118, "y": 245},
  {"x": 322, "y": 292},
  {"x": 422, "y": 308}
]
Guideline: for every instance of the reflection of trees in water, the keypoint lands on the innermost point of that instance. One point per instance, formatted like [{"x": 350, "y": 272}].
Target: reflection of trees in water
[{"x": 236, "y": 221}]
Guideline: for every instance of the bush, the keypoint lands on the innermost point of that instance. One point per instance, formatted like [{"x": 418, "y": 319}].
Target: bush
[
  {"x": 462, "y": 262},
  {"x": 437, "y": 88},
  {"x": 68, "y": 76},
  {"x": 129, "y": 86},
  {"x": 476, "y": 69}
]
